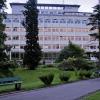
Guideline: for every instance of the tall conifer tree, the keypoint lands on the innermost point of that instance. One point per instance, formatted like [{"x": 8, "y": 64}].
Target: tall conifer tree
[
  {"x": 95, "y": 22},
  {"x": 32, "y": 49}
]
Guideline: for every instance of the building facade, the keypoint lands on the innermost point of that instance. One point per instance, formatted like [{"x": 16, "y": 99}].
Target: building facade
[{"x": 57, "y": 24}]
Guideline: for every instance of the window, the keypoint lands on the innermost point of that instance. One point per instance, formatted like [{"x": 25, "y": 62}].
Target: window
[
  {"x": 15, "y": 29},
  {"x": 8, "y": 20},
  {"x": 16, "y": 20},
  {"x": 40, "y": 20},
  {"x": 77, "y": 21},
  {"x": 54, "y": 38},
  {"x": 8, "y": 37},
  {"x": 15, "y": 37},
  {"x": 92, "y": 47},
  {"x": 47, "y": 21},
  {"x": 54, "y": 21},
  {"x": 7, "y": 29},
  {"x": 62, "y": 21},
  {"x": 56, "y": 46},
  {"x": 78, "y": 38},
  {"x": 85, "y": 38},
  {"x": 84, "y": 22},
  {"x": 69, "y": 21},
  {"x": 40, "y": 37},
  {"x": 21, "y": 47},
  {"x": 51, "y": 13}
]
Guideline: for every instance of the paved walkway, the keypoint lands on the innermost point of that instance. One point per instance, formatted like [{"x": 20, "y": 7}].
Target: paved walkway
[{"x": 70, "y": 91}]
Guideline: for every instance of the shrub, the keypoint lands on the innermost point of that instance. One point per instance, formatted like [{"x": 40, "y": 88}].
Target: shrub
[
  {"x": 7, "y": 68},
  {"x": 64, "y": 77},
  {"x": 50, "y": 65},
  {"x": 88, "y": 74},
  {"x": 64, "y": 65},
  {"x": 81, "y": 75},
  {"x": 47, "y": 66},
  {"x": 47, "y": 79},
  {"x": 76, "y": 63},
  {"x": 96, "y": 74},
  {"x": 69, "y": 51},
  {"x": 85, "y": 74}
]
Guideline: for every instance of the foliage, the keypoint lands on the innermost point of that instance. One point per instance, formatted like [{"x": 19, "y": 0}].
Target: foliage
[
  {"x": 47, "y": 79},
  {"x": 3, "y": 55},
  {"x": 64, "y": 77},
  {"x": 64, "y": 65},
  {"x": 7, "y": 68},
  {"x": 48, "y": 66},
  {"x": 70, "y": 51},
  {"x": 94, "y": 20},
  {"x": 73, "y": 63},
  {"x": 32, "y": 49},
  {"x": 83, "y": 74}
]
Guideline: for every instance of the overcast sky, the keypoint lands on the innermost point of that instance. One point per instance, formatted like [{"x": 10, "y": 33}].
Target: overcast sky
[{"x": 86, "y": 5}]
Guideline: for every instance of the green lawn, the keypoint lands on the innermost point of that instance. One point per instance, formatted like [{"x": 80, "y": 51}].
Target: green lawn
[
  {"x": 94, "y": 96},
  {"x": 30, "y": 78}
]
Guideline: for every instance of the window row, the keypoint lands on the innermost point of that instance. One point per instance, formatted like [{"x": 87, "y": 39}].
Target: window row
[
  {"x": 14, "y": 20},
  {"x": 68, "y": 21},
  {"x": 41, "y": 20},
  {"x": 52, "y": 38},
  {"x": 16, "y": 37},
  {"x": 58, "y": 46},
  {"x": 14, "y": 29},
  {"x": 64, "y": 38},
  {"x": 70, "y": 29},
  {"x": 48, "y": 29},
  {"x": 47, "y": 46}
]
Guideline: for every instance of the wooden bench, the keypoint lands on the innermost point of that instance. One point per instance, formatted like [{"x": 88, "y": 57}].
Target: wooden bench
[{"x": 11, "y": 80}]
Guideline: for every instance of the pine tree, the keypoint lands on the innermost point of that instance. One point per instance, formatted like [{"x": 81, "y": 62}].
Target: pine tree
[
  {"x": 32, "y": 55},
  {"x": 95, "y": 22},
  {"x": 3, "y": 55}
]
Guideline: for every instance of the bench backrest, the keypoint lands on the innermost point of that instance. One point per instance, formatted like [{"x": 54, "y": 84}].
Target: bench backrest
[{"x": 9, "y": 80}]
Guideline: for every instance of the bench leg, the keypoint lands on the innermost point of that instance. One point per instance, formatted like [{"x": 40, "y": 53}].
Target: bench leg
[{"x": 17, "y": 86}]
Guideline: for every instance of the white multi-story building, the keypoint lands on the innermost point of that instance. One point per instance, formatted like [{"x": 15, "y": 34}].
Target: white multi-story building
[{"x": 57, "y": 23}]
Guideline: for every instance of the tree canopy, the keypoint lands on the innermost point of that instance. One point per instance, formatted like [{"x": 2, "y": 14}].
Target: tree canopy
[
  {"x": 32, "y": 49},
  {"x": 72, "y": 50},
  {"x": 3, "y": 55},
  {"x": 94, "y": 20}
]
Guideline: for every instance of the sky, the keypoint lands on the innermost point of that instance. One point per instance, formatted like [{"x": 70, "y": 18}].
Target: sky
[{"x": 85, "y": 5}]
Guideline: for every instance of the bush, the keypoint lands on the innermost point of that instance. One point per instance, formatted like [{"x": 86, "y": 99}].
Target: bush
[
  {"x": 47, "y": 79},
  {"x": 64, "y": 77},
  {"x": 64, "y": 65},
  {"x": 7, "y": 68},
  {"x": 77, "y": 63},
  {"x": 88, "y": 74},
  {"x": 96, "y": 74},
  {"x": 69, "y": 51},
  {"x": 50, "y": 65},
  {"x": 47, "y": 66},
  {"x": 85, "y": 74}
]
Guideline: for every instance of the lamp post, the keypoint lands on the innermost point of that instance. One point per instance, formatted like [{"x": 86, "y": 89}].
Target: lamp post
[{"x": 8, "y": 49}]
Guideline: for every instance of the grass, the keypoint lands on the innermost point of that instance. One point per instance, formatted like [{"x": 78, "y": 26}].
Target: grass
[
  {"x": 94, "y": 96},
  {"x": 31, "y": 81}
]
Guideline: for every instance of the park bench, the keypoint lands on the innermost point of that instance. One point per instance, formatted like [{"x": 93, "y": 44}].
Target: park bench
[{"x": 11, "y": 80}]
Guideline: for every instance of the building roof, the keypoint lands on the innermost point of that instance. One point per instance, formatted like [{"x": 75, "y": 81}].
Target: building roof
[{"x": 50, "y": 5}]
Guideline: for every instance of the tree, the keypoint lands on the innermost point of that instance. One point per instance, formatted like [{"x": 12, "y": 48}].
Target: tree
[
  {"x": 94, "y": 20},
  {"x": 72, "y": 50},
  {"x": 32, "y": 49},
  {"x": 3, "y": 55}
]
